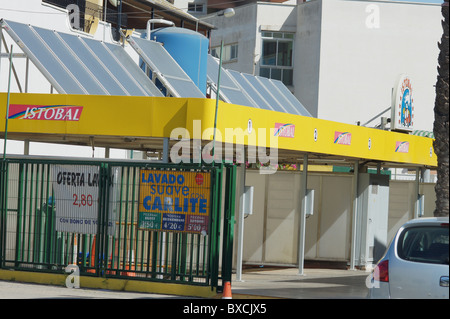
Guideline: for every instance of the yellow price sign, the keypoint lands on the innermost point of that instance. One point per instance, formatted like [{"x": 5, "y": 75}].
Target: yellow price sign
[{"x": 174, "y": 201}]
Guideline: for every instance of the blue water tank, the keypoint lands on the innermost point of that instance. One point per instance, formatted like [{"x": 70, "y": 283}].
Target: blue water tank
[{"x": 188, "y": 48}]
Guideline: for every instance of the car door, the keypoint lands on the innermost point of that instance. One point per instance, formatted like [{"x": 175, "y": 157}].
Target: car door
[
  {"x": 420, "y": 267},
  {"x": 418, "y": 280}
]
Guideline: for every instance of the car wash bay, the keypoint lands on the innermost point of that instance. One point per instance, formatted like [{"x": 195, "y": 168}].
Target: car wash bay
[{"x": 271, "y": 233}]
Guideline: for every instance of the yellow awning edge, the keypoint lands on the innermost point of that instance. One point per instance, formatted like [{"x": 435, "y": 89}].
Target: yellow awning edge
[{"x": 157, "y": 117}]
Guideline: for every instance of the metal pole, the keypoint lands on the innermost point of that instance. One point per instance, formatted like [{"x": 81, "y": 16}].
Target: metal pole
[
  {"x": 355, "y": 212},
  {"x": 240, "y": 229},
  {"x": 165, "y": 159},
  {"x": 217, "y": 101},
  {"x": 302, "y": 219},
  {"x": 416, "y": 194},
  {"x": 7, "y": 103}
]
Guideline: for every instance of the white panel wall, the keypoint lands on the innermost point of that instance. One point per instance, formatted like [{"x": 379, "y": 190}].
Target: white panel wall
[
  {"x": 402, "y": 203},
  {"x": 335, "y": 216},
  {"x": 254, "y": 225},
  {"x": 271, "y": 233},
  {"x": 282, "y": 218}
]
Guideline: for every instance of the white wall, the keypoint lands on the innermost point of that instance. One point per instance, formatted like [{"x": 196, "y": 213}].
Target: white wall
[
  {"x": 241, "y": 29},
  {"x": 365, "y": 46},
  {"x": 307, "y": 55}
]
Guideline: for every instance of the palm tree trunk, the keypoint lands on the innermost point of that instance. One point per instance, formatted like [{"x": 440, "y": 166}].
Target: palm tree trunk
[{"x": 441, "y": 125}]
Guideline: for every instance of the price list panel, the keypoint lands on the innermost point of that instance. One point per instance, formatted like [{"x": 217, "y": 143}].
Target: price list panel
[{"x": 174, "y": 201}]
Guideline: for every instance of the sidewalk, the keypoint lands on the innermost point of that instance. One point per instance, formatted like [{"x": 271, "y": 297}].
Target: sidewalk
[{"x": 313, "y": 284}]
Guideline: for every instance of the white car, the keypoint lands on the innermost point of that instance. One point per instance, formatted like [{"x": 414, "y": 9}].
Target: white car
[{"x": 415, "y": 265}]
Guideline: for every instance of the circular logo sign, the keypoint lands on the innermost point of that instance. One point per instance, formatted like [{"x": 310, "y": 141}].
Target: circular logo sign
[
  {"x": 406, "y": 104},
  {"x": 403, "y": 105},
  {"x": 199, "y": 179}
]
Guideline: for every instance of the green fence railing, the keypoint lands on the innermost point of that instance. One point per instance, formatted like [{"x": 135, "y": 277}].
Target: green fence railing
[{"x": 135, "y": 219}]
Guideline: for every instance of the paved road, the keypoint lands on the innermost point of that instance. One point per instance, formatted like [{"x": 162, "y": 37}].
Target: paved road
[
  {"x": 15, "y": 290},
  {"x": 313, "y": 284},
  {"x": 267, "y": 283}
]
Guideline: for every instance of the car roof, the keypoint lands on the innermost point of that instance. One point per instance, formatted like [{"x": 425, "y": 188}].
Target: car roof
[{"x": 427, "y": 221}]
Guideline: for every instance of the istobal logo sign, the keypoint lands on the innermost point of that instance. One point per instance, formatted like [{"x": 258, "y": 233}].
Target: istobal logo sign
[
  {"x": 343, "y": 138},
  {"x": 45, "y": 112}
]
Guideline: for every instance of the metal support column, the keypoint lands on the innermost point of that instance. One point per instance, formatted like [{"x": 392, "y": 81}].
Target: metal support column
[
  {"x": 302, "y": 219},
  {"x": 355, "y": 215},
  {"x": 417, "y": 195},
  {"x": 240, "y": 229}
]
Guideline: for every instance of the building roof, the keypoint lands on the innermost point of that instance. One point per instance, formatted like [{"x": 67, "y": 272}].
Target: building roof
[{"x": 140, "y": 11}]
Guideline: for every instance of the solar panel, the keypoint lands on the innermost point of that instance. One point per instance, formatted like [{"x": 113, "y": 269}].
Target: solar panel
[
  {"x": 265, "y": 93},
  {"x": 229, "y": 91},
  {"x": 93, "y": 64},
  {"x": 70, "y": 61},
  {"x": 43, "y": 58},
  {"x": 276, "y": 95},
  {"x": 114, "y": 66},
  {"x": 254, "y": 94},
  {"x": 77, "y": 65},
  {"x": 269, "y": 94},
  {"x": 290, "y": 97},
  {"x": 135, "y": 71},
  {"x": 166, "y": 69}
]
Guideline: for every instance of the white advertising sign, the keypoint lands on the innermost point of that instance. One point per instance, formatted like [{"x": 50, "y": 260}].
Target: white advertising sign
[{"x": 76, "y": 190}]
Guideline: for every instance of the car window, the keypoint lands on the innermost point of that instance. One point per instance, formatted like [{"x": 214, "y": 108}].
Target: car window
[{"x": 427, "y": 244}]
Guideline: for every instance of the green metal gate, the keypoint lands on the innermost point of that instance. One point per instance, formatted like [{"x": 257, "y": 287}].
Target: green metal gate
[{"x": 44, "y": 227}]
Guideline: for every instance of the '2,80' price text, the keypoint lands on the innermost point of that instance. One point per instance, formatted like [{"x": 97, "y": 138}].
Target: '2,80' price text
[{"x": 82, "y": 200}]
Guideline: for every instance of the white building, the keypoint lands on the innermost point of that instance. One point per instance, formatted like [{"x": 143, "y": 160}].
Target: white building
[{"x": 341, "y": 57}]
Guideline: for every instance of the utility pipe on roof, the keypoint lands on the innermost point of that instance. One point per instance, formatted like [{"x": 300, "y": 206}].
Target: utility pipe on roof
[{"x": 161, "y": 21}]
